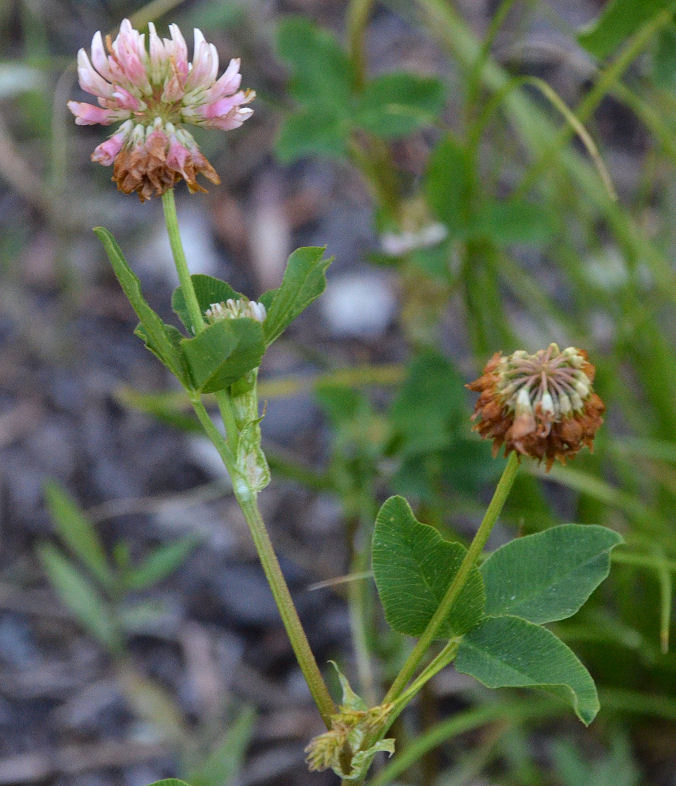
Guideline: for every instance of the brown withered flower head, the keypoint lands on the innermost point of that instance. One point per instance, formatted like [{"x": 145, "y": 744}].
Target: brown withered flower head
[{"x": 540, "y": 405}]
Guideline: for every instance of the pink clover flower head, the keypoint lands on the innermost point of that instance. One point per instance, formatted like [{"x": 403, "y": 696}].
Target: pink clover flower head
[{"x": 153, "y": 91}]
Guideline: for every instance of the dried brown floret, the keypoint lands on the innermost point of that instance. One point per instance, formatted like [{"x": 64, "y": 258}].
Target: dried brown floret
[{"x": 540, "y": 405}]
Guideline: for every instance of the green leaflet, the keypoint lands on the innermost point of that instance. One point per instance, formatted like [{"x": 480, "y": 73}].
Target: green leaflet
[
  {"x": 223, "y": 353},
  {"x": 505, "y": 652},
  {"x": 80, "y": 596},
  {"x": 304, "y": 281},
  {"x": 549, "y": 575},
  {"x": 413, "y": 567},
  {"x": 155, "y": 333}
]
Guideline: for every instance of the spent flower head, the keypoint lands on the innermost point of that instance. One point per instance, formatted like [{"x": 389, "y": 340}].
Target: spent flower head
[
  {"x": 153, "y": 92},
  {"x": 541, "y": 405}
]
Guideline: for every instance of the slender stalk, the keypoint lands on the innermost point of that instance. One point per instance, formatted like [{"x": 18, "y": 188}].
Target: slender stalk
[
  {"x": 273, "y": 572},
  {"x": 226, "y": 446},
  {"x": 476, "y": 547},
  {"x": 643, "y": 561},
  {"x": 372, "y": 157},
  {"x": 287, "y": 610},
  {"x": 439, "y": 662},
  {"x": 215, "y": 436},
  {"x": 607, "y": 78},
  {"x": 171, "y": 220},
  {"x": 357, "y": 17},
  {"x": 225, "y": 408},
  {"x": 474, "y": 78}
]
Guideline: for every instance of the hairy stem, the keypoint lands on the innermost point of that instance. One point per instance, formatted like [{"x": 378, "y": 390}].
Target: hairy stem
[
  {"x": 287, "y": 610},
  {"x": 226, "y": 444},
  {"x": 266, "y": 553}
]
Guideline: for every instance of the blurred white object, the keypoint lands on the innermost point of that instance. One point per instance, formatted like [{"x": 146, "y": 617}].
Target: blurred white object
[
  {"x": 403, "y": 242},
  {"x": 358, "y": 304}
]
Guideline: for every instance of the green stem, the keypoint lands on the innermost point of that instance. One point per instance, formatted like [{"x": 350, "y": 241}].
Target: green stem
[
  {"x": 227, "y": 447},
  {"x": 357, "y": 17},
  {"x": 225, "y": 408},
  {"x": 372, "y": 157},
  {"x": 439, "y": 662},
  {"x": 643, "y": 561},
  {"x": 476, "y": 547},
  {"x": 171, "y": 220},
  {"x": 218, "y": 440},
  {"x": 442, "y": 660},
  {"x": 474, "y": 78},
  {"x": 273, "y": 572},
  {"x": 287, "y": 610}
]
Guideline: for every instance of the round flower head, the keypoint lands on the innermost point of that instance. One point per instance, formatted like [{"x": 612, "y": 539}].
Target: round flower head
[
  {"x": 153, "y": 92},
  {"x": 540, "y": 405},
  {"x": 235, "y": 309}
]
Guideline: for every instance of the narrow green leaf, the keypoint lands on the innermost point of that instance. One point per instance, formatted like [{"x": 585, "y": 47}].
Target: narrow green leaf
[
  {"x": 304, "y": 281},
  {"x": 322, "y": 73},
  {"x": 394, "y": 105},
  {"x": 413, "y": 567},
  {"x": 512, "y": 221},
  {"x": 506, "y": 652},
  {"x": 80, "y": 596},
  {"x": 664, "y": 60},
  {"x": 349, "y": 699},
  {"x": 142, "y": 616},
  {"x": 317, "y": 131},
  {"x": 447, "y": 184},
  {"x": 208, "y": 290},
  {"x": 223, "y": 353},
  {"x": 225, "y": 761},
  {"x": 549, "y": 575},
  {"x": 169, "y": 782},
  {"x": 618, "y": 20},
  {"x": 175, "y": 337},
  {"x": 154, "y": 329},
  {"x": 158, "y": 565},
  {"x": 77, "y": 532}
]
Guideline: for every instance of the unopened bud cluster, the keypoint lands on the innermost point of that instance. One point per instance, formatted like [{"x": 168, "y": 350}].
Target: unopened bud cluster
[
  {"x": 339, "y": 748},
  {"x": 235, "y": 309},
  {"x": 251, "y": 463},
  {"x": 541, "y": 405}
]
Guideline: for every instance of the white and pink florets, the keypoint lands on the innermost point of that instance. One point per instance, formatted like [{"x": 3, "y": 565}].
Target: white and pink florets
[{"x": 153, "y": 92}]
